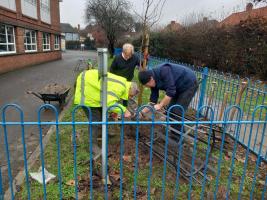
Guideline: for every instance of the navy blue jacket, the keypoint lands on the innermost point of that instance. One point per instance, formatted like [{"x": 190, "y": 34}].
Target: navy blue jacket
[{"x": 173, "y": 79}]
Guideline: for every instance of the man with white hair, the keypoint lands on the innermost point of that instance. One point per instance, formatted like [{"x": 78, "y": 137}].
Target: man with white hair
[{"x": 125, "y": 63}]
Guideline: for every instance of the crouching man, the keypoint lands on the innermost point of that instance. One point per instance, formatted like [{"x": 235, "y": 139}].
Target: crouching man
[
  {"x": 178, "y": 82},
  {"x": 88, "y": 93}
]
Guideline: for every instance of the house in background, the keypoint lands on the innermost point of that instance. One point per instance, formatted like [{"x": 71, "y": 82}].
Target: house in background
[
  {"x": 29, "y": 33},
  {"x": 70, "y": 37},
  {"x": 205, "y": 24},
  {"x": 236, "y": 18},
  {"x": 70, "y": 33},
  {"x": 96, "y": 34},
  {"x": 173, "y": 26}
]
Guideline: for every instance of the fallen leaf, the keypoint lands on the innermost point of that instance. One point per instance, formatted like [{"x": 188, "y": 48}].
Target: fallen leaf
[
  {"x": 79, "y": 178},
  {"x": 210, "y": 177},
  {"x": 253, "y": 158},
  {"x": 226, "y": 158},
  {"x": 153, "y": 190},
  {"x": 127, "y": 158},
  {"x": 242, "y": 160},
  {"x": 71, "y": 183},
  {"x": 262, "y": 182},
  {"x": 229, "y": 154}
]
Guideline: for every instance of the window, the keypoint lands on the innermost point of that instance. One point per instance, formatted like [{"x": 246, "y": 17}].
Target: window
[
  {"x": 46, "y": 41},
  {"x": 30, "y": 43},
  {"x": 33, "y": 2},
  {"x": 10, "y": 4},
  {"x": 7, "y": 39},
  {"x": 29, "y": 8},
  {"x": 57, "y": 42},
  {"x": 45, "y": 11}
]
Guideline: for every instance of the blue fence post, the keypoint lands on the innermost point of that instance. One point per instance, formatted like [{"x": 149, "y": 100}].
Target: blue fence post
[
  {"x": 117, "y": 51},
  {"x": 1, "y": 189},
  {"x": 203, "y": 87}
]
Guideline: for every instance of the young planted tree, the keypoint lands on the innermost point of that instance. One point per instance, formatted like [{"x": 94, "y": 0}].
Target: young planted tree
[
  {"x": 151, "y": 14},
  {"x": 112, "y": 16}
]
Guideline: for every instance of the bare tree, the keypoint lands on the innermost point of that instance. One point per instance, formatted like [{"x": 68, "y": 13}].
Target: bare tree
[
  {"x": 151, "y": 14},
  {"x": 192, "y": 18},
  {"x": 112, "y": 16}
]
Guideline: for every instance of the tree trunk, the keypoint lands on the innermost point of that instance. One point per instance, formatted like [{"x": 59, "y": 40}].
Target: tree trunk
[
  {"x": 111, "y": 48},
  {"x": 144, "y": 48}
]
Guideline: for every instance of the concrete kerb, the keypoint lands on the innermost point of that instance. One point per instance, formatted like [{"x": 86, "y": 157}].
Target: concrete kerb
[{"x": 19, "y": 179}]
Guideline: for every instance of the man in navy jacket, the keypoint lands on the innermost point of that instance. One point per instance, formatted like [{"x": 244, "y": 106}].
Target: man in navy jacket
[{"x": 178, "y": 82}]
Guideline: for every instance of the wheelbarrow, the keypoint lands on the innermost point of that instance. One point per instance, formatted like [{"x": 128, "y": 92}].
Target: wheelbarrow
[{"x": 52, "y": 92}]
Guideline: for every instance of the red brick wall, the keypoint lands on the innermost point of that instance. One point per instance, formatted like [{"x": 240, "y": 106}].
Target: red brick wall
[
  {"x": 19, "y": 32},
  {"x": 55, "y": 15},
  {"x": 12, "y": 62},
  {"x": 20, "y": 23},
  {"x": 18, "y": 19}
]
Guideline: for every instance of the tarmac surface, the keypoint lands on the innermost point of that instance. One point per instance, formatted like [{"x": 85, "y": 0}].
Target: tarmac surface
[{"x": 13, "y": 90}]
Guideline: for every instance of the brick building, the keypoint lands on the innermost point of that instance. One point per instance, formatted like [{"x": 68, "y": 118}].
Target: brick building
[
  {"x": 250, "y": 12},
  {"x": 29, "y": 33},
  {"x": 173, "y": 26}
]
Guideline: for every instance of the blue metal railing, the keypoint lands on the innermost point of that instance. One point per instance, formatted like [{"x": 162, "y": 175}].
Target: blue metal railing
[
  {"x": 224, "y": 94},
  {"x": 197, "y": 126}
]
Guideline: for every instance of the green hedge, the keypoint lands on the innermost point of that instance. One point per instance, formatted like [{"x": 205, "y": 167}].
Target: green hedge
[{"x": 240, "y": 49}]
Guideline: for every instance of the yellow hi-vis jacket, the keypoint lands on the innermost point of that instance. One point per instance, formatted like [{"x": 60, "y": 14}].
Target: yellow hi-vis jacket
[{"x": 88, "y": 90}]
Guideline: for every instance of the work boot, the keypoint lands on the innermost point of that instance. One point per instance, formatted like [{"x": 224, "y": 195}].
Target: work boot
[{"x": 96, "y": 152}]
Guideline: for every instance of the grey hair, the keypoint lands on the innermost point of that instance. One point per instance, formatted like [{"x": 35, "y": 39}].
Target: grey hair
[{"x": 128, "y": 46}]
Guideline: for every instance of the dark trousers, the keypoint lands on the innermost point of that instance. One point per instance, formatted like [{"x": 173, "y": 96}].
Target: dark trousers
[
  {"x": 125, "y": 103},
  {"x": 184, "y": 100},
  {"x": 96, "y": 114}
]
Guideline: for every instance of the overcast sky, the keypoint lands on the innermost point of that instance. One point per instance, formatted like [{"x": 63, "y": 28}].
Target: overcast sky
[{"x": 72, "y": 11}]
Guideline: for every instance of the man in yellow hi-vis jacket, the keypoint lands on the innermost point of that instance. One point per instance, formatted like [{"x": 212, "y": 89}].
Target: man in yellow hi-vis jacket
[{"x": 88, "y": 93}]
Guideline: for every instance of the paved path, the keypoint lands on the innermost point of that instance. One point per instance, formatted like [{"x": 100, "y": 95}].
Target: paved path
[{"x": 13, "y": 89}]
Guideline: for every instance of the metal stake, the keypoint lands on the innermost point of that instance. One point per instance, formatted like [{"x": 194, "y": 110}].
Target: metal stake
[{"x": 102, "y": 73}]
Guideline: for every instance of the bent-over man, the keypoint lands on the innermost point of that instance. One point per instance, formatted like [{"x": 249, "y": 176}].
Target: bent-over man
[
  {"x": 88, "y": 93},
  {"x": 179, "y": 83}
]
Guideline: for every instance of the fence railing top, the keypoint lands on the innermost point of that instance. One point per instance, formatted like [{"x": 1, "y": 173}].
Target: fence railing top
[{"x": 257, "y": 84}]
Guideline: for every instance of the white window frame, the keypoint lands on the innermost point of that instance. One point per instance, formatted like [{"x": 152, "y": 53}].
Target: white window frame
[
  {"x": 45, "y": 9},
  {"x": 29, "y": 8},
  {"x": 9, "y": 4},
  {"x": 31, "y": 42},
  {"x": 8, "y": 43},
  {"x": 33, "y": 2},
  {"x": 46, "y": 42},
  {"x": 57, "y": 42}
]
